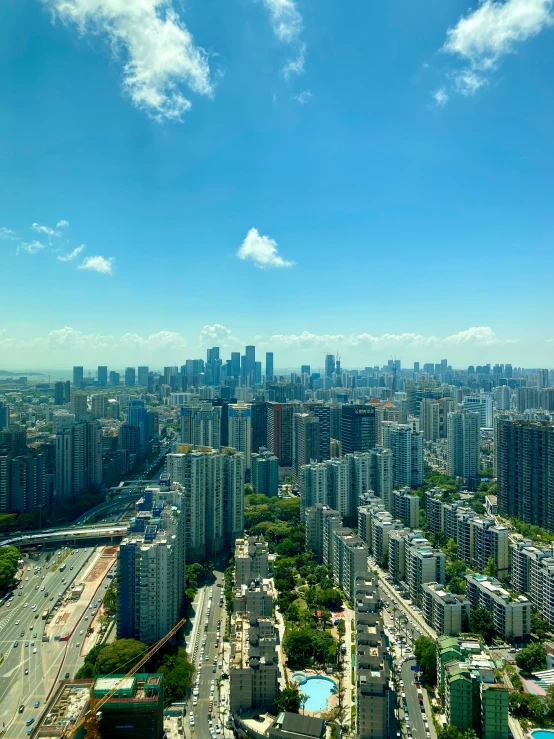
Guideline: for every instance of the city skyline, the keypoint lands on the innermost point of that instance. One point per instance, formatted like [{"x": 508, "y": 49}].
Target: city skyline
[{"x": 287, "y": 171}]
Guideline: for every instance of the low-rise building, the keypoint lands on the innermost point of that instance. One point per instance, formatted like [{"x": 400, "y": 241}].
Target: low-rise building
[
  {"x": 446, "y": 613},
  {"x": 511, "y": 616},
  {"x": 135, "y": 709}
]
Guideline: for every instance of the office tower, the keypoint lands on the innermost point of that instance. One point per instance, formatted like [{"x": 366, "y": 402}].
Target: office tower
[
  {"x": 201, "y": 425},
  {"x": 329, "y": 365},
  {"x": 194, "y": 368},
  {"x": 240, "y": 429},
  {"x": 305, "y": 441},
  {"x": 265, "y": 473},
  {"x": 269, "y": 366},
  {"x": 305, "y": 369},
  {"x": 102, "y": 376},
  {"x": 5, "y": 479},
  {"x": 416, "y": 367},
  {"x": 358, "y": 428},
  {"x": 4, "y": 415},
  {"x": 463, "y": 445},
  {"x": 259, "y": 426},
  {"x": 27, "y": 483},
  {"x": 213, "y": 366},
  {"x": 542, "y": 379},
  {"x": 79, "y": 406},
  {"x": 525, "y": 470},
  {"x": 78, "y": 376},
  {"x": 142, "y": 376},
  {"x": 323, "y": 414},
  {"x": 78, "y": 456},
  {"x": 114, "y": 410},
  {"x": 407, "y": 452},
  {"x": 99, "y": 406},
  {"x": 129, "y": 441},
  {"x": 508, "y": 372},
  {"x": 250, "y": 367},
  {"x": 429, "y": 419},
  {"x": 279, "y": 431},
  {"x": 137, "y": 415},
  {"x": 59, "y": 394},
  {"x": 115, "y": 378},
  {"x": 503, "y": 398},
  {"x": 130, "y": 377},
  {"x": 67, "y": 393},
  {"x": 151, "y": 577},
  {"x": 235, "y": 365},
  {"x": 14, "y": 438},
  {"x": 481, "y": 404}
]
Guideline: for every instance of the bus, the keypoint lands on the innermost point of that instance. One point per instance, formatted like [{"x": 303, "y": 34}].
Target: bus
[
  {"x": 62, "y": 568},
  {"x": 45, "y": 614}
]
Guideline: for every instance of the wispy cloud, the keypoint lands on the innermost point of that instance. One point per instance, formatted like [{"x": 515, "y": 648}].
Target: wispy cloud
[
  {"x": 31, "y": 247},
  {"x": 161, "y": 55},
  {"x": 483, "y": 36},
  {"x": 103, "y": 265},
  {"x": 45, "y": 230},
  {"x": 262, "y": 250},
  {"x": 62, "y": 224},
  {"x": 440, "y": 96},
  {"x": 303, "y": 97},
  {"x": 72, "y": 255},
  {"x": 8, "y": 234},
  {"x": 296, "y": 66}
]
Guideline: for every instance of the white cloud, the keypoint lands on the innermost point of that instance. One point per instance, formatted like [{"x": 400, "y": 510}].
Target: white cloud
[
  {"x": 72, "y": 255},
  {"x": 303, "y": 97},
  {"x": 286, "y": 20},
  {"x": 440, "y": 96},
  {"x": 218, "y": 335},
  {"x": 33, "y": 247},
  {"x": 98, "y": 264},
  {"x": 8, "y": 234},
  {"x": 494, "y": 29},
  {"x": 477, "y": 335},
  {"x": 296, "y": 66},
  {"x": 45, "y": 229},
  {"x": 161, "y": 56},
  {"x": 261, "y": 250},
  {"x": 62, "y": 224}
]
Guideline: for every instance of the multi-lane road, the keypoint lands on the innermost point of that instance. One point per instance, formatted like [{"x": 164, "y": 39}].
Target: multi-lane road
[
  {"x": 205, "y": 650},
  {"x": 31, "y": 669}
]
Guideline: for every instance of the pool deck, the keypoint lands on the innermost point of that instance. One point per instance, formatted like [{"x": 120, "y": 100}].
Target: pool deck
[{"x": 332, "y": 700}]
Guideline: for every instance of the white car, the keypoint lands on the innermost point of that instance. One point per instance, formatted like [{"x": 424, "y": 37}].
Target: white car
[
  {"x": 81, "y": 633},
  {"x": 35, "y": 650},
  {"x": 195, "y": 691}
]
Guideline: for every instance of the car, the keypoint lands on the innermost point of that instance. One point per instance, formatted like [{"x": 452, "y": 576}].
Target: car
[
  {"x": 21, "y": 708},
  {"x": 35, "y": 650},
  {"x": 15, "y": 644},
  {"x": 30, "y": 721},
  {"x": 17, "y": 623},
  {"x": 25, "y": 605},
  {"x": 21, "y": 587},
  {"x": 78, "y": 644},
  {"x": 66, "y": 676},
  {"x": 37, "y": 704},
  {"x": 22, "y": 634},
  {"x": 26, "y": 643},
  {"x": 35, "y": 635},
  {"x": 26, "y": 671},
  {"x": 217, "y": 729},
  {"x": 42, "y": 588}
]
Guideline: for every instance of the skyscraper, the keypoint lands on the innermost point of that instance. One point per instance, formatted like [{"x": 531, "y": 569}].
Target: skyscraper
[
  {"x": 259, "y": 425},
  {"x": 407, "y": 453},
  {"x": 463, "y": 445},
  {"x": 269, "y": 366},
  {"x": 102, "y": 375},
  {"x": 305, "y": 440},
  {"x": 78, "y": 456},
  {"x": 429, "y": 419},
  {"x": 240, "y": 429},
  {"x": 78, "y": 376},
  {"x": 27, "y": 483},
  {"x": 4, "y": 415},
  {"x": 329, "y": 365},
  {"x": 130, "y": 376},
  {"x": 235, "y": 365},
  {"x": 279, "y": 431},
  {"x": 115, "y": 378},
  {"x": 250, "y": 365},
  {"x": 143, "y": 376},
  {"x": 358, "y": 428},
  {"x": 79, "y": 406},
  {"x": 201, "y": 425},
  {"x": 59, "y": 393},
  {"x": 14, "y": 438}
]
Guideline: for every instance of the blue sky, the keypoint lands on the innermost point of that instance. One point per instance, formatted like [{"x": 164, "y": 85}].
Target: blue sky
[{"x": 307, "y": 175}]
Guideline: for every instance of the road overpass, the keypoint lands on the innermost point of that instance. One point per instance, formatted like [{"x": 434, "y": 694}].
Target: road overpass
[{"x": 68, "y": 534}]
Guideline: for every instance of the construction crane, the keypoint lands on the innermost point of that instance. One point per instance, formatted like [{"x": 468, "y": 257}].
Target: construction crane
[{"x": 90, "y": 719}]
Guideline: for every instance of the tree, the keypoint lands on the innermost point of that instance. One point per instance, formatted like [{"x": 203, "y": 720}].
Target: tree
[
  {"x": 457, "y": 585},
  {"x": 452, "y": 548},
  {"x": 491, "y": 569},
  {"x": 481, "y": 622},
  {"x": 450, "y": 732},
  {"x": 178, "y": 675},
  {"x": 426, "y": 655},
  {"x": 531, "y": 658},
  {"x": 304, "y": 645},
  {"x": 110, "y": 599},
  {"x": 120, "y": 656},
  {"x": 289, "y": 700},
  {"x": 9, "y": 557},
  {"x": 540, "y": 626}
]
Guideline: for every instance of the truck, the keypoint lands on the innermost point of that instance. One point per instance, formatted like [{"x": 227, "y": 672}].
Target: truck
[
  {"x": 62, "y": 568},
  {"x": 45, "y": 614}
]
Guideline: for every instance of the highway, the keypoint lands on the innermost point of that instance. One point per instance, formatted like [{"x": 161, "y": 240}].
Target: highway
[
  {"x": 203, "y": 656},
  {"x": 26, "y": 675}
]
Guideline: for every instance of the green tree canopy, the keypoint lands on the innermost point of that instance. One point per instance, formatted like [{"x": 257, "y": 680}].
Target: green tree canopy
[
  {"x": 532, "y": 658},
  {"x": 426, "y": 655},
  {"x": 8, "y": 564},
  {"x": 119, "y": 656},
  {"x": 491, "y": 569},
  {"x": 481, "y": 622},
  {"x": 288, "y": 700},
  {"x": 303, "y": 646}
]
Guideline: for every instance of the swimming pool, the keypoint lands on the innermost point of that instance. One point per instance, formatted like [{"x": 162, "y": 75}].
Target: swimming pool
[
  {"x": 318, "y": 690},
  {"x": 542, "y": 734}
]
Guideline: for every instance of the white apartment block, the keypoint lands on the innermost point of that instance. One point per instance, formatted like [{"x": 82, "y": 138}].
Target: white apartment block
[
  {"x": 446, "y": 613},
  {"x": 405, "y": 507},
  {"x": 482, "y": 404},
  {"x": 251, "y": 560},
  {"x": 407, "y": 451},
  {"x": 463, "y": 445},
  {"x": 423, "y": 564},
  {"x": 512, "y": 617},
  {"x": 320, "y": 523},
  {"x": 349, "y": 559}
]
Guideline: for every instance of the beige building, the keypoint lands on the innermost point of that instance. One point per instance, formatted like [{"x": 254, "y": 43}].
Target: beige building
[
  {"x": 446, "y": 613},
  {"x": 251, "y": 560},
  {"x": 512, "y": 617}
]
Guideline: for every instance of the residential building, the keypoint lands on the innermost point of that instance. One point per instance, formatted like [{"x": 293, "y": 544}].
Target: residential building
[
  {"x": 464, "y": 445},
  {"x": 317, "y": 522},
  {"x": 265, "y": 473},
  {"x": 279, "y": 431},
  {"x": 481, "y": 404},
  {"x": 78, "y": 456},
  {"x": 511, "y": 616},
  {"x": 407, "y": 453},
  {"x": 405, "y": 507},
  {"x": 201, "y": 425},
  {"x": 151, "y": 576},
  {"x": 429, "y": 419},
  {"x": 358, "y": 428},
  {"x": 251, "y": 560},
  {"x": 423, "y": 564},
  {"x": 240, "y": 429},
  {"x": 349, "y": 559},
  {"x": 99, "y": 406},
  {"x": 446, "y": 613},
  {"x": 305, "y": 440}
]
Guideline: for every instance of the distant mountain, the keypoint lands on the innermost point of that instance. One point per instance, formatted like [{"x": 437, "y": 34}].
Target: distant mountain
[{"x": 18, "y": 373}]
